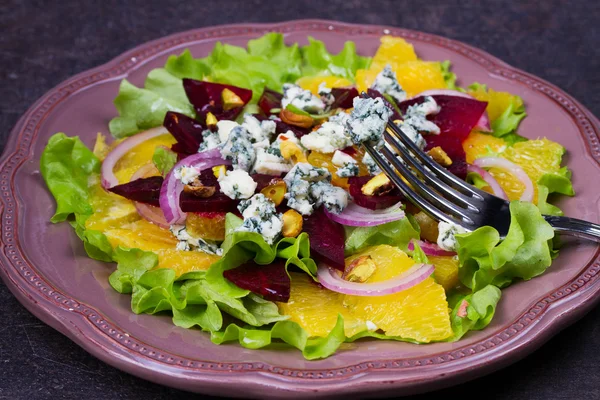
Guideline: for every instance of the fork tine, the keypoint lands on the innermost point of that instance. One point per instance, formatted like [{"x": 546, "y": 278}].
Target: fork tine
[
  {"x": 413, "y": 196},
  {"x": 450, "y": 193},
  {"x": 425, "y": 191}
]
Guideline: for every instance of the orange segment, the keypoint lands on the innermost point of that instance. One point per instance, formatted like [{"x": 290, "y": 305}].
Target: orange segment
[
  {"x": 446, "y": 270},
  {"x": 497, "y": 101},
  {"x": 110, "y": 210},
  {"x": 479, "y": 144},
  {"x": 419, "y": 313},
  {"x": 316, "y": 309},
  {"x": 393, "y": 50},
  {"x": 322, "y": 160},
  {"x": 312, "y": 82},
  {"x": 210, "y": 226},
  {"x": 139, "y": 156},
  {"x": 414, "y": 76}
]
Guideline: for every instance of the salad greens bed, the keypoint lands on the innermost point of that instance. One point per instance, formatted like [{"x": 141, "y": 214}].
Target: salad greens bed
[{"x": 209, "y": 301}]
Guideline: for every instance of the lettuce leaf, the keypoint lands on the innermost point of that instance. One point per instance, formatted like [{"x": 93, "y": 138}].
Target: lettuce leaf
[
  {"x": 524, "y": 253},
  {"x": 141, "y": 109},
  {"x": 510, "y": 118},
  {"x": 481, "y": 306},
  {"x": 449, "y": 77},
  {"x": 186, "y": 66},
  {"x": 318, "y": 61},
  {"x": 164, "y": 159},
  {"x": 556, "y": 182},
  {"x": 397, "y": 233},
  {"x": 67, "y": 166},
  {"x": 287, "y": 331}
]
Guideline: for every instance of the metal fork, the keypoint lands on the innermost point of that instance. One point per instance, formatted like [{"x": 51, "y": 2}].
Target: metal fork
[{"x": 445, "y": 197}]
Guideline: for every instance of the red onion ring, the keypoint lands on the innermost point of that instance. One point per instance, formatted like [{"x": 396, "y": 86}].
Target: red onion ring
[
  {"x": 330, "y": 279},
  {"x": 489, "y": 179},
  {"x": 355, "y": 215},
  {"x": 484, "y": 121},
  {"x": 430, "y": 249},
  {"x": 172, "y": 187},
  {"x": 498, "y": 162},
  {"x": 108, "y": 165}
]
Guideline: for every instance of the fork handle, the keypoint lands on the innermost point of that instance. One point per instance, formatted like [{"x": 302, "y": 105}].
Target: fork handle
[{"x": 575, "y": 227}]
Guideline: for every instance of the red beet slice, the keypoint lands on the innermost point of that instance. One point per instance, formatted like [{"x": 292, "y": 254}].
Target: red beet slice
[
  {"x": 343, "y": 97},
  {"x": 269, "y": 100},
  {"x": 457, "y": 117},
  {"x": 144, "y": 190},
  {"x": 215, "y": 203},
  {"x": 326, "y": 239},
  {"x": 270, "y": 281},
  {"x": 282, "y": 127},
  {"x": 371, "y": 202},
  {"x": 207, "y": 97},
  {"x": 350, "y": 150},
  {"x": 187, "y": 131}
]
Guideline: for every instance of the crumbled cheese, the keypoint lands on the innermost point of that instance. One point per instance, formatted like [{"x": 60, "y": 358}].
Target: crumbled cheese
[
  {"x": 260, "y": 131},
  {"x": 210, "y": 140},
  {"x": 237, "y": 184},
  {"x": 416, "y": 116},
  {"x": 446, "y": 239},
  {"x": 260, "y": 216},
  {"x": 269, "y": 162},
  {"x": 340, "y": 118},
  {"x": 187, "y": 174},
  {"x": 308, "y": 187},
  {"x": 413, "y": 134},
  {"x": 302, "y": 99},
  {"x": 238, "y": 148},
  {"x": 387, "y": 83},
  {"x": 328, "y": 138},
  {"x": 224, "y": 128},
  {"x": 188, "y": 242},
  {"x": 346, "y": 163},
  {"x": 371, "y": 165},
  {"x": 368, "y": 120},
  {"x": 326, "y": 95}
]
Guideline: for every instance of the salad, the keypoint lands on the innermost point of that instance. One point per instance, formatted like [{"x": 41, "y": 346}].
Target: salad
[{"x": 236, "y": 194}]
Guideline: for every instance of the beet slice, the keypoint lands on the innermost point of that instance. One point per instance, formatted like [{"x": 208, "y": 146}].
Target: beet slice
[
  {"x": 393, "y": 107},
  {"x": 350, "y": 150},
  {"x": 457, "y": 117},
  {"x": 215, "y": 203},
  {"x": 143, "y": 190},
  {"x": 187, "y": 131},
  {"x": 372, "y": 202},
  {"x": 326, "y": 239},
  {"x": 207, "y": 97},
  {"x": 270, "y": 281},
  {"x": 282, "y": 127},
  {"x": 269, "y": 100},
  {"x": 344, "y": 97}
]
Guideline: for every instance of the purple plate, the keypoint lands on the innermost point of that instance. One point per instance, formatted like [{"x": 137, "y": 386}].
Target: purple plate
[{"x": 44, "y": 265}]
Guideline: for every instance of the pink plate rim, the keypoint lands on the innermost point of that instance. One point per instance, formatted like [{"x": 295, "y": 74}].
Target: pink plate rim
[{"x": 87, "y": 327}]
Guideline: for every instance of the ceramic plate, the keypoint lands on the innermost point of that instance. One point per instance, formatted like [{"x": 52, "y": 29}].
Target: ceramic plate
[{"x": 45, "y": 266}]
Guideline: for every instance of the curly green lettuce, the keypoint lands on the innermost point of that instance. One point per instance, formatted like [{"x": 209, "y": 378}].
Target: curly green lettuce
[{"x": 397, "y": 233}]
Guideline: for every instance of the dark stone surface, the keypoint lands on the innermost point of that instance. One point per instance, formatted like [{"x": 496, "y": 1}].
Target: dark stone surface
[{"x": 43, "y": 43}]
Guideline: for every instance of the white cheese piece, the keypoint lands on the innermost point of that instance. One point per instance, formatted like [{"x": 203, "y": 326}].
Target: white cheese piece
[
  {"x": 186, "y": 174},
  {"x": 260, "y": 131},
  {"x": 302, "y": 99},
  {"x": 237, "y": 184},
  {"x": 446, "y": 239},
  {"x": 416, "y": 116},
  {"x": 238, "y": 148},
  {"x": 371, "y": 165},
  {"x": 224, "y": 127},
  {"x": 210, "y": 140},
  {"x": 260, "y": 216},
  {"x": 340, "y": 159},
  {"x": 268, "y": 162},
  {"x": 368, "y": 120},
  {"x": 386, "y": 82},
  {"x": 187, "y": 242},
  {"x": 328, "y": 138}
]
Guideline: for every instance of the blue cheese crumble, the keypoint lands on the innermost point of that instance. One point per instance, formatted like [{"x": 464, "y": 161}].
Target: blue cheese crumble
[
  {"x": 386, "y": 82},
  {"x": 371, "y": 165},
  {"x": 412, "y": 134},
  {"x": 302, "y": 99},
  {"x": 210, "y": 140},
  {"x": 308, "y": 187},
  {"x": 237, "y": 184},
  {"x": 326, "y": 95},
  {"x": 368, "y": 120},
  {"x": 270, "y": 162},
  {"x": 330, "y": 136},
  {"x": 260, "y": 216},
  {"x": 347, "y": 165},
  {"x": 446, "y": 237},
  {"x": 238, "y": 148},
  {"x": 260, "y": 131},
  {"x": 187, "y": 242},
  {"x": 416, "y": 116},
  {"x": 186, "y": 174},
  {"x": 224, "y": 128}
]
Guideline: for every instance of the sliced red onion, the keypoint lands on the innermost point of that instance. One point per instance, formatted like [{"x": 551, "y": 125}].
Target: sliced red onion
[
  {"x": 329, "y": 278},
  {"x": 490, "y": 180},
  {"x": 108, "y": 165},
  {"x": 484, "y": 121},
  {"x": 430, "y": 249},
  {"x": 355, "y": 215},
  {"x": 172, "y": 187},
  {"x": 503, "y": 163}
]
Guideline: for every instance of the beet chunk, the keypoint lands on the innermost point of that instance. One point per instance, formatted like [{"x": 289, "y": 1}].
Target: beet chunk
[
  {"x": 326, "y": 239},
  {"x": 143, "y": 190},
  {"x": 270, "y": 281},
  {"x": 372, "y": 202}
]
